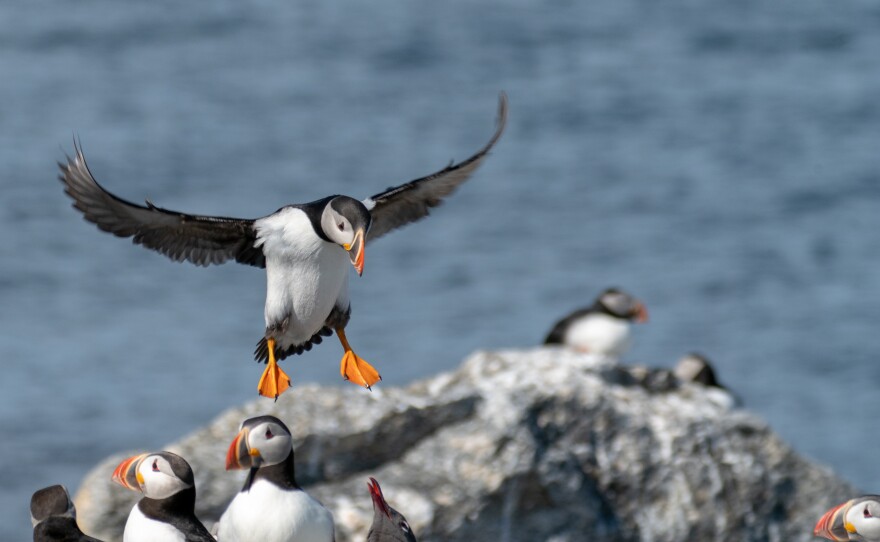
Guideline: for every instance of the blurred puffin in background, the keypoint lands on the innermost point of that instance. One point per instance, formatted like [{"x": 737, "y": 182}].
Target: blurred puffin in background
[{"x": 603, "y": 328}]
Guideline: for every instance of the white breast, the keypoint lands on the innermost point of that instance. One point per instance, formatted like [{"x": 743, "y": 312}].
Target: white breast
[
  {"x": 305, "y": 275},
  {"x": 270, "y": 514},
  {"x": 140, "y": 528},
  {"x": 599, "y": 334}
]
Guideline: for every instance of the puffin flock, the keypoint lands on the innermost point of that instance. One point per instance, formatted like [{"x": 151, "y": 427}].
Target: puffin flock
[{"x": 306, "y": 249}]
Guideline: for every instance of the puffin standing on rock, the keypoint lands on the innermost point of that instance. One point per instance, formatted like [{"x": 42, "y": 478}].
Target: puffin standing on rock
[
  {"x": 305, "y": 249},
  {"x": 856, "y": 519},
  {"x": 54, "y": 517},
  {"x": 389, "y": 525},
  {"x": 603, "y": 328},
  {"x": 167, "y": 511},
  {"x": 271, "y": 507}
]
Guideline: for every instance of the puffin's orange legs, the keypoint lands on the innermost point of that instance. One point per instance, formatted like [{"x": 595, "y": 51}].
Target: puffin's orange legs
[
  {"x": 274, "y": 381},
  {"x": 353, "y": 367}
]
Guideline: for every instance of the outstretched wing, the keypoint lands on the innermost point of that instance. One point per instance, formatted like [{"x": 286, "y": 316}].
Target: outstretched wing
[
  {"x": 412, "y": 201},
  {"x": 202, "y": 240}
]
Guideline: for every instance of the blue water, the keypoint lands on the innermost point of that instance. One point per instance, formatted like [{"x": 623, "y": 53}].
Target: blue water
[{"x": 720, "y": 160}]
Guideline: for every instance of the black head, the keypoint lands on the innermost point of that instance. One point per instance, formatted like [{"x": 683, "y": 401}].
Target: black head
[
  {"x": 261, "y": 441},
  {"x": 158, "y": 475},
  {"x": 346, "y": 221},
  {"x": 388, "y": 524},
  {"x": 695, "y": 367},
  {"x": 620, "y": 304},
  {"x": 51, "y": 501}
]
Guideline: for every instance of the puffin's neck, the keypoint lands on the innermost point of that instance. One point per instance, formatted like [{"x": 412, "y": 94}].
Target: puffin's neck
[
  {"x": 281, "y": 474},
  {"x": 599, "y": 308},
  {"x": 182, "y": 503},
  {"x": 314, "y": 211}
]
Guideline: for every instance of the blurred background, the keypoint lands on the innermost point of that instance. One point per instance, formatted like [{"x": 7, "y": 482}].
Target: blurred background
[{"x": 719, "y": 160}]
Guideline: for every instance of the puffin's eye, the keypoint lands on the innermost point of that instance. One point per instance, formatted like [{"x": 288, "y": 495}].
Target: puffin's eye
[
  {"x": 156, "y": 468},
  {"x": 867, "y": 513},
  {"x": 341, "y": 226},
  {"x": 269, "y": 433}
]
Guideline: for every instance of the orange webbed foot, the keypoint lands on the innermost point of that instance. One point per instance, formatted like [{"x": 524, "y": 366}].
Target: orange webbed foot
[
  {"x": 274, "y": 381},
  {"x": 355, "y": 369}
]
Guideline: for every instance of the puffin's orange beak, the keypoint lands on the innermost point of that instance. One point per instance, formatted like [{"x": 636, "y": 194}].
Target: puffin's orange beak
[
  {"x": 127, "y": 475},
  {"x": 356, "y": 251},
  {"x": 641, "y": 314},
  {"x": 239, "y": 456},
  {"x": 833, "y": 525}
]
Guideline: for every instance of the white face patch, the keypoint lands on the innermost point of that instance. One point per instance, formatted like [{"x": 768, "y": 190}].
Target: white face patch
[
  {"x": 159, "y": 480},
  {"x": 865, "y": 517},
  {"x": 336, "y": 227},
  {"x": 272, "y": 441}
]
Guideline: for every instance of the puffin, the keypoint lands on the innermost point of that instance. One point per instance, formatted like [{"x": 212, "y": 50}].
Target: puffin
[
  {"x": 305, "y": 249},
  {"x": 389, "y": 525},
  {"x": 695, "y": 367},
  {"x": 603, "y": 328},
  {"x": 271, "y": 506},
  {"x": 856, "y": 519},
  {"x": 54, "y": 516},
  {"x": 167, "y": 510}
]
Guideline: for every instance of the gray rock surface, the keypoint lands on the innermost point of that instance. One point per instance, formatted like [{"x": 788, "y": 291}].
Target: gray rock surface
[{"x": 530, "y": 445}]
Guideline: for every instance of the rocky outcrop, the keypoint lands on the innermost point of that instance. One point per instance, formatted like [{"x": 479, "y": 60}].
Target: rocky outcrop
[{"x": 522, "y": 446}]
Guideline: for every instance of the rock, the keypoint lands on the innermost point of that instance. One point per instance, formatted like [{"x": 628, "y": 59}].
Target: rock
[{"x": 531, "y": 445}]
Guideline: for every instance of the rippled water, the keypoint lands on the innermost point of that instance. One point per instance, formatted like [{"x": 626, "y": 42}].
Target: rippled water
[{"x": 717, "y": 159}]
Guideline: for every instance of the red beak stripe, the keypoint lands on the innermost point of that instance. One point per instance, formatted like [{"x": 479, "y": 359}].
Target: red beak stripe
[{"x": 831, "y": 525}]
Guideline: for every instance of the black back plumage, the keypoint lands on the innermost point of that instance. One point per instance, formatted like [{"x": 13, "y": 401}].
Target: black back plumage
[{"x": 60, "y": 529}]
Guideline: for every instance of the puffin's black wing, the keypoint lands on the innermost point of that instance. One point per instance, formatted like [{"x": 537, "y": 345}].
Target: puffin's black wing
[
  {"x": 557, "y": 334},
  {"x": 412, "y": 201},
  {"x": 193, "y": 530},
  {"x": 202, "y": 240}
]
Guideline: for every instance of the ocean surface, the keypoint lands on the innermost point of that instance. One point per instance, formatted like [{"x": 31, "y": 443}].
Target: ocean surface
[{"x": 718, "y": 159}]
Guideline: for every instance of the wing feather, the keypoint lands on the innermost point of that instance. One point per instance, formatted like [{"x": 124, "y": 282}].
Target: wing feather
[
  {"x": 202, "y": 240},
  {"x": 412, "y": 201}
]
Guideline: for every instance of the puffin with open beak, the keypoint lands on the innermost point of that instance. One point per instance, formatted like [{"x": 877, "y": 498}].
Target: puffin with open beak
[
  {"x": 856, "y": 519},
  {"x": 603, "y": 328},
  {"x": 305, "y": 248},
  {"x": 389, "y": 525},
  {"x": 271, "y": 507},
  {"x": 54, "y": 517},
  {"x": 166, "y": 513}
]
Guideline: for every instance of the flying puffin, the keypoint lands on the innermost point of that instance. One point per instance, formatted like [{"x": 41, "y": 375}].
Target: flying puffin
[
  {"x": 54, "y": 517},
  {"x": 389, "y": 525},
  {"x": 856, "y": 519},
  {"x": 271, "y": 507},
  {"x": 305, "y": 249},
  {"x": 602, "y": 328},
  {"x": 167, "y": 510}
]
